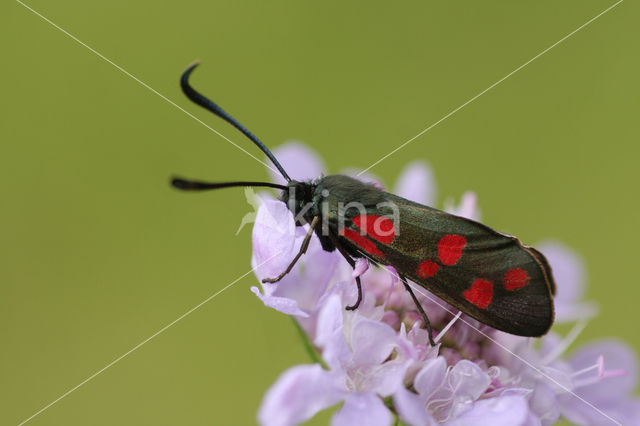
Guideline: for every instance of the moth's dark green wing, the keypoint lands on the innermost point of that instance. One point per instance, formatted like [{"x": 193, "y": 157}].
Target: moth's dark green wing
[{"x": 486, "y": 274}]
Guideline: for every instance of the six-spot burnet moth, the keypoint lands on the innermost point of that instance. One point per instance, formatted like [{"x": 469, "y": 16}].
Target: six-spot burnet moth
[{"x": 488, "y": 275}]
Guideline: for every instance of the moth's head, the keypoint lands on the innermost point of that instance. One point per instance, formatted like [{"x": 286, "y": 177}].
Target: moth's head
[{"x": 299, "y": 199}]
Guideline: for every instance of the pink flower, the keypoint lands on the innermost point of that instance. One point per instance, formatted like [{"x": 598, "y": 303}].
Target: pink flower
[
  {"x": 276, "y": 241},
  {"x": 380, "y": 371},
  {"x": 568, "y": 269},
  {"x": 609, "y": 390},
  {"x": 356, "y": 350}
]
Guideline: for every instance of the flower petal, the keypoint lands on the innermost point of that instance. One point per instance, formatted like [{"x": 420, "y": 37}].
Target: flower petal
[
  {"x": 276, "y": 241},
  {"x": 371, "y": 342},
  {"x": 362, "y": 265},
  {"x": 297, "y": 395},
  {"x": 299, "y": 161},
  {"x": 330, "y": 335},
  {"x": 570, "y": 277},
  {"x": 617, "y": 356},
  {"x": 309, "y": 279},
  {"x": 622, "y": 411},
  {"x": 281, "y": 304},
  {"x": 385, "y": 379},
  {"x": 411, "y": 408},
  {"x": 568, "y": 269},
  {"x": 500, "y": 411},
  {"x": 468, "y": 379},
  {"x": 544, "y": 404},
  {"x": 468, "y": 206},
  {"x": 466, "y": 382},
  {"x": 273, "y": 239},
  {"x": 362, "y": 409},
  {"x": 416, "y": 183},
  {"x": 366, "y": 177},
  {"x": 431, "y": 377}
]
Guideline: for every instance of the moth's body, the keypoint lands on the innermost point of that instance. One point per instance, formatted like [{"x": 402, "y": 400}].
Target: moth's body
[
  {"x": 488, "y": 275},
  {"x": 514, "y": 297}
]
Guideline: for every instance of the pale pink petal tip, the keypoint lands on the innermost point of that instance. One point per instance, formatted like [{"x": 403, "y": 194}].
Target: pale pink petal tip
[
  {"x": 273, "y": 238},
  {"x": 297, "y": 395},
  {"x": 365, "y": 177},
  {"x": 362, "y": 409},
  {"x": 299, "y": 161},
  {"x": 570, "y": 277},
  {"x": 416, "y": 183},
  {"x": 362, "y": 266},
  {"x": 468, "y": 206}
]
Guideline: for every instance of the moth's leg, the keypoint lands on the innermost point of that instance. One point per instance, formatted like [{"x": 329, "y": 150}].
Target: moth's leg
[
  {"x": 303, "y": 249},
  {"x": 343, "y": 252},
  {"x": 422, "y": 312},
  {"x": 355, "y": 305}
]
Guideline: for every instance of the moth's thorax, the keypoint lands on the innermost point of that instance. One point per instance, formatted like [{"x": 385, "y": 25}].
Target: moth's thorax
[
  {"x": 299, "y": 198},
  {"x": 328, "y": 196}
]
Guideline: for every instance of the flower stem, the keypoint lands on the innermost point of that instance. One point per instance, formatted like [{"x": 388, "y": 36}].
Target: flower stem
[{"x": 313, "y": 353}]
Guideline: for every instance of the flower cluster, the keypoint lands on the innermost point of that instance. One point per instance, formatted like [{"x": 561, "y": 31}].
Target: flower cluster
[{"x": 376, "y": 361}]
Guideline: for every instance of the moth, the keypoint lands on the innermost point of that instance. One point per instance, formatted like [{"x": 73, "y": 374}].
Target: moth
[{"x": 488, "y": 275}]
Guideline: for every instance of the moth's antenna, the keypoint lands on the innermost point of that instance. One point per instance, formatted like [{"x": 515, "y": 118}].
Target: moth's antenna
[
  {"x": 194, "y": 185},
  {"x": 208, "y": 104}
]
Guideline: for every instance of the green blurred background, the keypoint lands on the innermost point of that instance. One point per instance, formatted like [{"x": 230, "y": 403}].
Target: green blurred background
[{"x": 98, "y": 253}]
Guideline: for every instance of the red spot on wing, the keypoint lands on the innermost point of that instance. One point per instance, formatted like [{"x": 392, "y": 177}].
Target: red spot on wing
[
  {"x": 515, "y": 278},
  {"x": 450, "y": 248},
  {"x": 427, "y": 269},
  {"x": 377, "y": 227},
  {"x": 361, "y": 241},
  {"x": 480, "y": 293}
]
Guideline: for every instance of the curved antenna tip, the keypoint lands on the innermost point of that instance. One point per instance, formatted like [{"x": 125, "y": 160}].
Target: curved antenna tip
[
  {"x": 211, "y": 106},
  {"x": 193, "y": 64},
  {"x": 178, "y": 183},
  {"x": 189, "y": 69}
]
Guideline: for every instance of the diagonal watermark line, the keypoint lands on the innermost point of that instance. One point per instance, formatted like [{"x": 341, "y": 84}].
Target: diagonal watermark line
[
  {"x": 145, "y": 85},
  {"x": 420, "y": 290},
  {"x": 491, "y": 87},
  {"x": 521, "y": 359},
  {"x": 136, "y": 347},
  {"x": 377, "y": 162}
]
